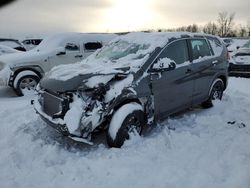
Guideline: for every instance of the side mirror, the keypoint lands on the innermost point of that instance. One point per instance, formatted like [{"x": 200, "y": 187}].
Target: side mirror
[{"x": 163, "y": 65}]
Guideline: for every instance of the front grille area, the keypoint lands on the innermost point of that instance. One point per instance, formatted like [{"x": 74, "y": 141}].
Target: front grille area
[{"x": 52, "y": 105}]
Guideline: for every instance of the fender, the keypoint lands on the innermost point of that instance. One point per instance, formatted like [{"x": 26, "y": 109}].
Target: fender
[
  {"x": 21, "y": 74},
  {"x": 127, "y": 96}
]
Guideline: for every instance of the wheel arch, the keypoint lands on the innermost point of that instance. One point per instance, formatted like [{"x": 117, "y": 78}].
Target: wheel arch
[
  {"x": 127, "y": 96},
  {"x": 224, "y": 79},
  {"x": 117, "y": 132},
  {"x": 24, "y": 72}
]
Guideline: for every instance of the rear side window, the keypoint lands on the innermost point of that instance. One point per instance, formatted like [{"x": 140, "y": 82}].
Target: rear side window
[
  {"x": 72, "y": 47},
  {"x": 92, "y": 46},
  {"x": 200, "y": 48},
  {"x": 36, "y": 42},
  {"x": 177, "y": 52},
  {"x": 27, "y": 42},
  {"x": 216, "y": 45}
]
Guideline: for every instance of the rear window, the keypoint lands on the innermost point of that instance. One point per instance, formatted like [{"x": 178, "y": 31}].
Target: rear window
[
  {"x": 200, "y": 48},
  {"x": 216, "y": 45},
  {"x": 92, "y": 46}
]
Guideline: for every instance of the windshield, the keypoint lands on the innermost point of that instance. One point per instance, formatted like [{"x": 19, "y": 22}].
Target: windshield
[{"x": 121, "y": 49}]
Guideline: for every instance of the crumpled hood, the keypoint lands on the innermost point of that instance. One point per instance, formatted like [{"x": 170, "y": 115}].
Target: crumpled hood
[
  {"x": 91, "y": 78},
  {"x": 62, "y": 86},
  {"x": 25, "y": 57},
  {"x": 66, "y": 72}
]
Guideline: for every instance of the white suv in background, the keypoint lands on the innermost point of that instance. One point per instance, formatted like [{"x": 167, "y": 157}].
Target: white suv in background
[
  {"x": 31, "y": 43},
  {"x": 22, "y": 71}
]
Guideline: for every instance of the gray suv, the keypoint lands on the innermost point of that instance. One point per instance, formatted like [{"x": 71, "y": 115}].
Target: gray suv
[{"x": 134, "y": 81}]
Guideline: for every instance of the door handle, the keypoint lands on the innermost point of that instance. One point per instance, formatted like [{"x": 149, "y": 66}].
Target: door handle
[
  {"x": 188, "y": 71},
  {"x": 78, "y": 56}
]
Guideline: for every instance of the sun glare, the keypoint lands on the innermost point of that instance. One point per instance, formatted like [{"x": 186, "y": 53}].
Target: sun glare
[{"x": 128, "y": 15}]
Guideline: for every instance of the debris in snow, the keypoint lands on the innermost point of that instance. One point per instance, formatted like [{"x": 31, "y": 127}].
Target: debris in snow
[{"x": 240, "y": 125}]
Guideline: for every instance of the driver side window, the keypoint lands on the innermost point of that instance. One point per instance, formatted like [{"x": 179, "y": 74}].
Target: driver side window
[
  {"x": 200, "y": 48},
  {"x": 176, "y": 52}
]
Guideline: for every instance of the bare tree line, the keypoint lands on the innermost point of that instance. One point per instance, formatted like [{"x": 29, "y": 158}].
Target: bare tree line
[{"x": 224, "y": 26}]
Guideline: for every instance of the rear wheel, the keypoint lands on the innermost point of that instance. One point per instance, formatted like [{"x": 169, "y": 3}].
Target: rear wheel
[
  {"x": 26, "y": 85},
  {"x": 128, "y": 119},
  {"x": 216, "y": 93}
]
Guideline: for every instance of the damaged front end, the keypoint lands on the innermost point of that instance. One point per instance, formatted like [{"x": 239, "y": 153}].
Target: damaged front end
[{"x": 79, "y": 113}]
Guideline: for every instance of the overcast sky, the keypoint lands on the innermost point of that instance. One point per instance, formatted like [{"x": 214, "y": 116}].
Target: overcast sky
[{"x": 39, "y": 16}]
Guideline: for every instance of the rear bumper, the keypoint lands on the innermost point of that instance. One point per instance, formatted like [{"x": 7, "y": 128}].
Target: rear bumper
[{"x": 241, "y": 70}]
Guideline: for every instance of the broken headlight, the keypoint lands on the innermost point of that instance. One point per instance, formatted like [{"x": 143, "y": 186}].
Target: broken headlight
[{"x": 100, "y": 91}]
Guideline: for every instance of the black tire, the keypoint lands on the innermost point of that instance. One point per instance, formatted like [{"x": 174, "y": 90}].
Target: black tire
[
  {"x": 34, "y": 80},
  {"x": 216, "y": 93},
  {"x": 132, "y": 121}
]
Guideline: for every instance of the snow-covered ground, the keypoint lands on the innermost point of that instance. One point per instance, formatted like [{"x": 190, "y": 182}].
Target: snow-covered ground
[{"x": 195, "y": 149}]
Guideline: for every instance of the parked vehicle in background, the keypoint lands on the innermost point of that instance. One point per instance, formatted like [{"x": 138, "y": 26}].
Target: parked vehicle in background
[
  {"x": 228, "y": 41},
  {"x": 12, "y": 43},
  {"x": 23, "y": 71},
  {"x": 31, "y": 43},
  {"x": 7, "y": 50},
  {"x": 240, "y": 65},
  {"x": 133, "y": 81},
  {"x": 237, "y": 43}
]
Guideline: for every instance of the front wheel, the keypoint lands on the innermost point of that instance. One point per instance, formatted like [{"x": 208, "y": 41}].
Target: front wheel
[
  {"x": 26, "y": 85},
  {"x": 216, "y": 93},
  {"x": 127, "y": 119}
]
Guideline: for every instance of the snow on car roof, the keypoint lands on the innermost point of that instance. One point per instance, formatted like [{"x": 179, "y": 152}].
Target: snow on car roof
[
  {"x": 156, "y": 39},
  {"x": 60, "y": 39}
]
